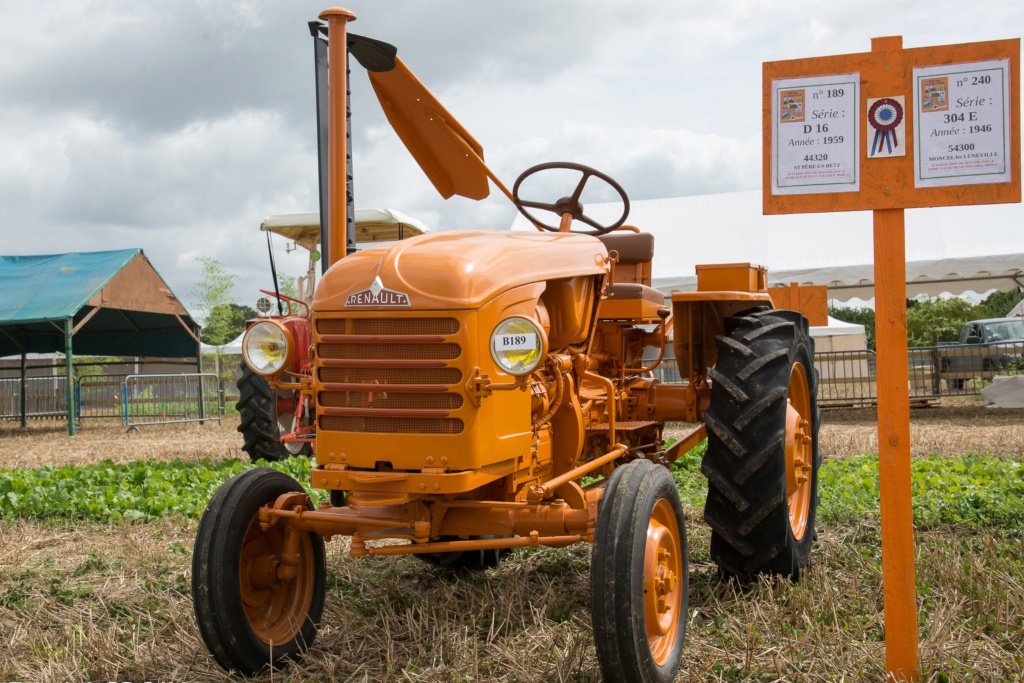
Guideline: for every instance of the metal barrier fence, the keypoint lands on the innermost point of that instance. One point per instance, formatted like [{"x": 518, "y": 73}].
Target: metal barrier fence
[
  {"x": 848, "y": 378},
  {"x": 45, "y": 397},
  {"x": 134, "y": 399},
  {"x": 100, "y": 396},
  {"x": 164, "y": 399}
]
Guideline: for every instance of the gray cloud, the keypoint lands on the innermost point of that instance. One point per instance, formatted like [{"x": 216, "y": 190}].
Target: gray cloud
[{"x": 176, "y": 127}]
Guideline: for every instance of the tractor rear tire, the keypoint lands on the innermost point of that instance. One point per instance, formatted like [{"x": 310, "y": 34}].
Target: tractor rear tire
[
  {"x": 762, "y": 456},
  {"x": 261, "y": 425},
  {"x": 465, "y": 560},
  {"x": 248, "y": 618},
  {"x": 639, "y": 576}
]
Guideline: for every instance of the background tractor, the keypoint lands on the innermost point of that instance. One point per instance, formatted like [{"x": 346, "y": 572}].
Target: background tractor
[
  {"x": 480, "y": 391},
  {"x": 277, "y": 423}
]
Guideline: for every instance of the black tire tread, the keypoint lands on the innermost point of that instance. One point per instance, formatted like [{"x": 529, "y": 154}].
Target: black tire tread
[
  {"x": 745, "y": 461},
  {"x": 257, "y": 407},
  {"x": 619, "y": 632}
]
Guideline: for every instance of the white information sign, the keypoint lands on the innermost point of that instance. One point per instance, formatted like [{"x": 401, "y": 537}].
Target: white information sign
[
  {"x": 962, "y": 134},
  {"x": 815, "y": 134}
]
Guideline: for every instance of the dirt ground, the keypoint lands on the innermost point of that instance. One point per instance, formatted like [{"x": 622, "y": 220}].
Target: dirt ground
[{"x": 957, "y": 427}]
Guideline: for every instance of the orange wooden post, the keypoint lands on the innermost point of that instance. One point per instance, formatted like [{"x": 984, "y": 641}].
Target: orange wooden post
[
  {"x": 899, "y": 584},
  {"x": 898, "y": 576}
]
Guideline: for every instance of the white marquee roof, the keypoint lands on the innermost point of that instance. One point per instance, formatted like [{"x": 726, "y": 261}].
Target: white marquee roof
[{"x": 948, "y": 250}]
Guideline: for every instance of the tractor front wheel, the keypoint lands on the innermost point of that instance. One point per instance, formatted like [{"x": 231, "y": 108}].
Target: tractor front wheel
[
  {"x": 639, "y": 576},
  {"x": 762, "y": 457},
  {"x": 258, "y": 593},
  {"x": 266, "y": 416}
]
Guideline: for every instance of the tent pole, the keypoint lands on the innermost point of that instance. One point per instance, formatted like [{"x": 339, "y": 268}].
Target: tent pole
[
  {"x": 24, "y": 390},
  {"x": 70, "y": 366}
]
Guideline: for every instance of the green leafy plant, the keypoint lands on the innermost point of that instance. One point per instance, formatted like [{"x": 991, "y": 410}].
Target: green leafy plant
[
  {"x": 144, "y": 489},
  {"x": 971, "y": 490}
]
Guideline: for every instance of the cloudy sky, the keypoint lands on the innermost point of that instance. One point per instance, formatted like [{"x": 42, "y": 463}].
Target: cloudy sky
[{"x": 178, "y": 126}]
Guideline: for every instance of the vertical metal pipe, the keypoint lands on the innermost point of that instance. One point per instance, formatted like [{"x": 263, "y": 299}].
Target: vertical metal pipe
[
  {"x": 69, "y": 366},
  {"x": 337, "y": 146},
  {"x": 24, "y": 389}
]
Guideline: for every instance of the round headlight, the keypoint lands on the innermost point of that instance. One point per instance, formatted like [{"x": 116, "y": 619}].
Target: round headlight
[
  {"x": 267, "y": 347},
  {"x": 517, "y": 345}
]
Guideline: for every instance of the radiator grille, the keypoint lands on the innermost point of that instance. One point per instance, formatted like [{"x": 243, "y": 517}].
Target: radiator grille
[
  {"x": 402, "y": 385},
  {"x": 374, "y": 376},
  {"x": 391, "y": 425},
  {"x": 395, "y": 326},
  {"x": 362, "y": 399},
  {"x": 357, "y": 351}
]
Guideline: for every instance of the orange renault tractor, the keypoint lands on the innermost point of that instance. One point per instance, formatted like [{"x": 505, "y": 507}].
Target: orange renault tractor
[{"x": 476, "y": 392}]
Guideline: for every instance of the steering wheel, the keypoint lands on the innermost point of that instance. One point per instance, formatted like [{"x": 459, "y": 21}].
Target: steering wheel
[{"x": 569, "y": 205}]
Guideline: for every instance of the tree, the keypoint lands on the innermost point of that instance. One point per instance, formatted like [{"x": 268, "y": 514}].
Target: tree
[
  {"x": 998, "y": 304},
  {"x": 287, "y": 285},
  {"x": 212, "y": 296},
  {"x": 212, "y": 291},
  {"x": 225, "y": 322},
  {"x": 928, "y": 319}
]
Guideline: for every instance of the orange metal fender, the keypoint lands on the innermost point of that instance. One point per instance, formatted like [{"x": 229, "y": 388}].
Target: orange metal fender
[{"x": 697, "y": 317}]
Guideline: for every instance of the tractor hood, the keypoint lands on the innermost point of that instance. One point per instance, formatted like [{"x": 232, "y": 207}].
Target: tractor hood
[{"x": 454, "y": 270}]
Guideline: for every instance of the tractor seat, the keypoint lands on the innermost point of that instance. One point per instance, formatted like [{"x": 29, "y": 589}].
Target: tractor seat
[
  {"x": 633, "y": 247},
  {"x": 635, "y": 250},
  {"x": 630, "y": 295}
]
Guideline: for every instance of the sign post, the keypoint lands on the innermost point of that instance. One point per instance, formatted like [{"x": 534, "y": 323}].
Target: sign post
[{"x": 883, "y": 131}]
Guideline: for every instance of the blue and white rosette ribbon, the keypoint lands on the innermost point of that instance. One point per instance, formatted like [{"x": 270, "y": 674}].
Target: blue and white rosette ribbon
[{"x": 885, "y": 115}]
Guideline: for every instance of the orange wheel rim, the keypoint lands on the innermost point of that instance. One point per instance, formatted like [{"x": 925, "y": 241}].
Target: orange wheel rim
[
  {"x": 799, "y": 450},
  {"x": 276, "y": 610},
  {"x": 663, "y": 581}
]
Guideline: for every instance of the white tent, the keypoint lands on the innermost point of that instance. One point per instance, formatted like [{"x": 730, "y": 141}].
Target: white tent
[
  {"x": 232, "y": 348},
  {"x": 948, "y": 250}
]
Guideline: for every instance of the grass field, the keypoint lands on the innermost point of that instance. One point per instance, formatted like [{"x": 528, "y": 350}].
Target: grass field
[{"x": 91, "y": 599}]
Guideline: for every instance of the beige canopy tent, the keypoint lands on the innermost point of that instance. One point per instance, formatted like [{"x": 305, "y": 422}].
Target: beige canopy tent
[{"x": 372, "y": 225}]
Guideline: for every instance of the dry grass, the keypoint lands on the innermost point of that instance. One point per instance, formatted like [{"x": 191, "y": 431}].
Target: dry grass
[
  {"x": 112, "y": 603},
  {"x": 960, "y": 426},
  {"x": 47, "y": 442}
]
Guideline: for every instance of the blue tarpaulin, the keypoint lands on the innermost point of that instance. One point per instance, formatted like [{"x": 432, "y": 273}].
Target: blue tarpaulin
[{"x": 117, "y": 300}]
